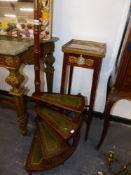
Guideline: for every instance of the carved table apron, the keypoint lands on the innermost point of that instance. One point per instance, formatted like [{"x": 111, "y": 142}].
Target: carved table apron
[{"x": 14, "y": 53}]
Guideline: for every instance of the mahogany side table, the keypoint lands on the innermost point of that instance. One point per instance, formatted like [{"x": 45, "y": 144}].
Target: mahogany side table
[{"x": 86, "y": 54}]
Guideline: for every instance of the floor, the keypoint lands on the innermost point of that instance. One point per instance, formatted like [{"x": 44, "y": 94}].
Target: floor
[{"x": 85, "y": 161}]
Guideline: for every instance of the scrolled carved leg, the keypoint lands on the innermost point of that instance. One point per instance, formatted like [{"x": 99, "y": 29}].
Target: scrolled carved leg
[
  {"x": 49, "y": 70},
  {"x": 15, "y": 79}
]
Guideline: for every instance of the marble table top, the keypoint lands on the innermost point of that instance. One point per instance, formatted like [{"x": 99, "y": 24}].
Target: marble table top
[
  {"x": 16, "y": 47},
  {"x": 12, "y": 47}
]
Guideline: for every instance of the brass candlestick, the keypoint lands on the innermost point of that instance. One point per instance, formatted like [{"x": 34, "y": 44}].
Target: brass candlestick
[{"x": 124, "y": 169}]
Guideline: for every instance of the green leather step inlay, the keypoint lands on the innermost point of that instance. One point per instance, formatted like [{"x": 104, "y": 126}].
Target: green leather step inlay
[
  {"x": 36, "y": 152},
  {"x": 51, "y": 144},
  {"x": 73, "y": 101},
  {"x": 35, "y": 156},
  {"x": 70, "y": 101},
  {"x": 60, "y": 122}
]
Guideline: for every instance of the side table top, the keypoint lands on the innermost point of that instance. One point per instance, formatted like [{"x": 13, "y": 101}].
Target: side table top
[{"x": 90, "y": 48}]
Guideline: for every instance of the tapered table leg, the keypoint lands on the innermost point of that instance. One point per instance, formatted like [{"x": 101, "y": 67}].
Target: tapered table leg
[
  {"x": 112, "y": 98},
  {"x": 92, "y": 98}
]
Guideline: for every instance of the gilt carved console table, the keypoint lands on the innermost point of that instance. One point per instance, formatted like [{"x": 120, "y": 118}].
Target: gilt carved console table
[{"x": 14, "y": 53}]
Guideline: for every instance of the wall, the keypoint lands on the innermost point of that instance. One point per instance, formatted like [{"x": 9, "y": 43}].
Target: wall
[{"x": 101, "y": 21}]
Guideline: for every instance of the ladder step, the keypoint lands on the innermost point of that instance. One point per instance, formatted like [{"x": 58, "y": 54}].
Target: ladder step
[
  {"x": 51, "y": 144},
  {"x": 62, "y": 124},
  {"x": 74, "y": 103},
  {"x": 34, "y": 161},
  {"x": 47, "y": 149}
]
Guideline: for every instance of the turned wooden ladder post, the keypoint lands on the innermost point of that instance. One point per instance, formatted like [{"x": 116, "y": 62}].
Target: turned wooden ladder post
[
  {"x": 51, "y": 145},
  {"x": 36, "y": 47}
]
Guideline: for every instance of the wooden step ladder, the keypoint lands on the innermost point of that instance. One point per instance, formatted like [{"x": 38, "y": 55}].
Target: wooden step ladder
[
  {"x": 58, "y": 120},
  {"x": 57, "y": 134}
]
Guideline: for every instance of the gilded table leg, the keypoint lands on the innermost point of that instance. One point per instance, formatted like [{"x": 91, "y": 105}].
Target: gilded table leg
[
  {"x": 19, "y": 102},
  {"x": 15, "y": 79},
  {"x": 49, "y": 70}
]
